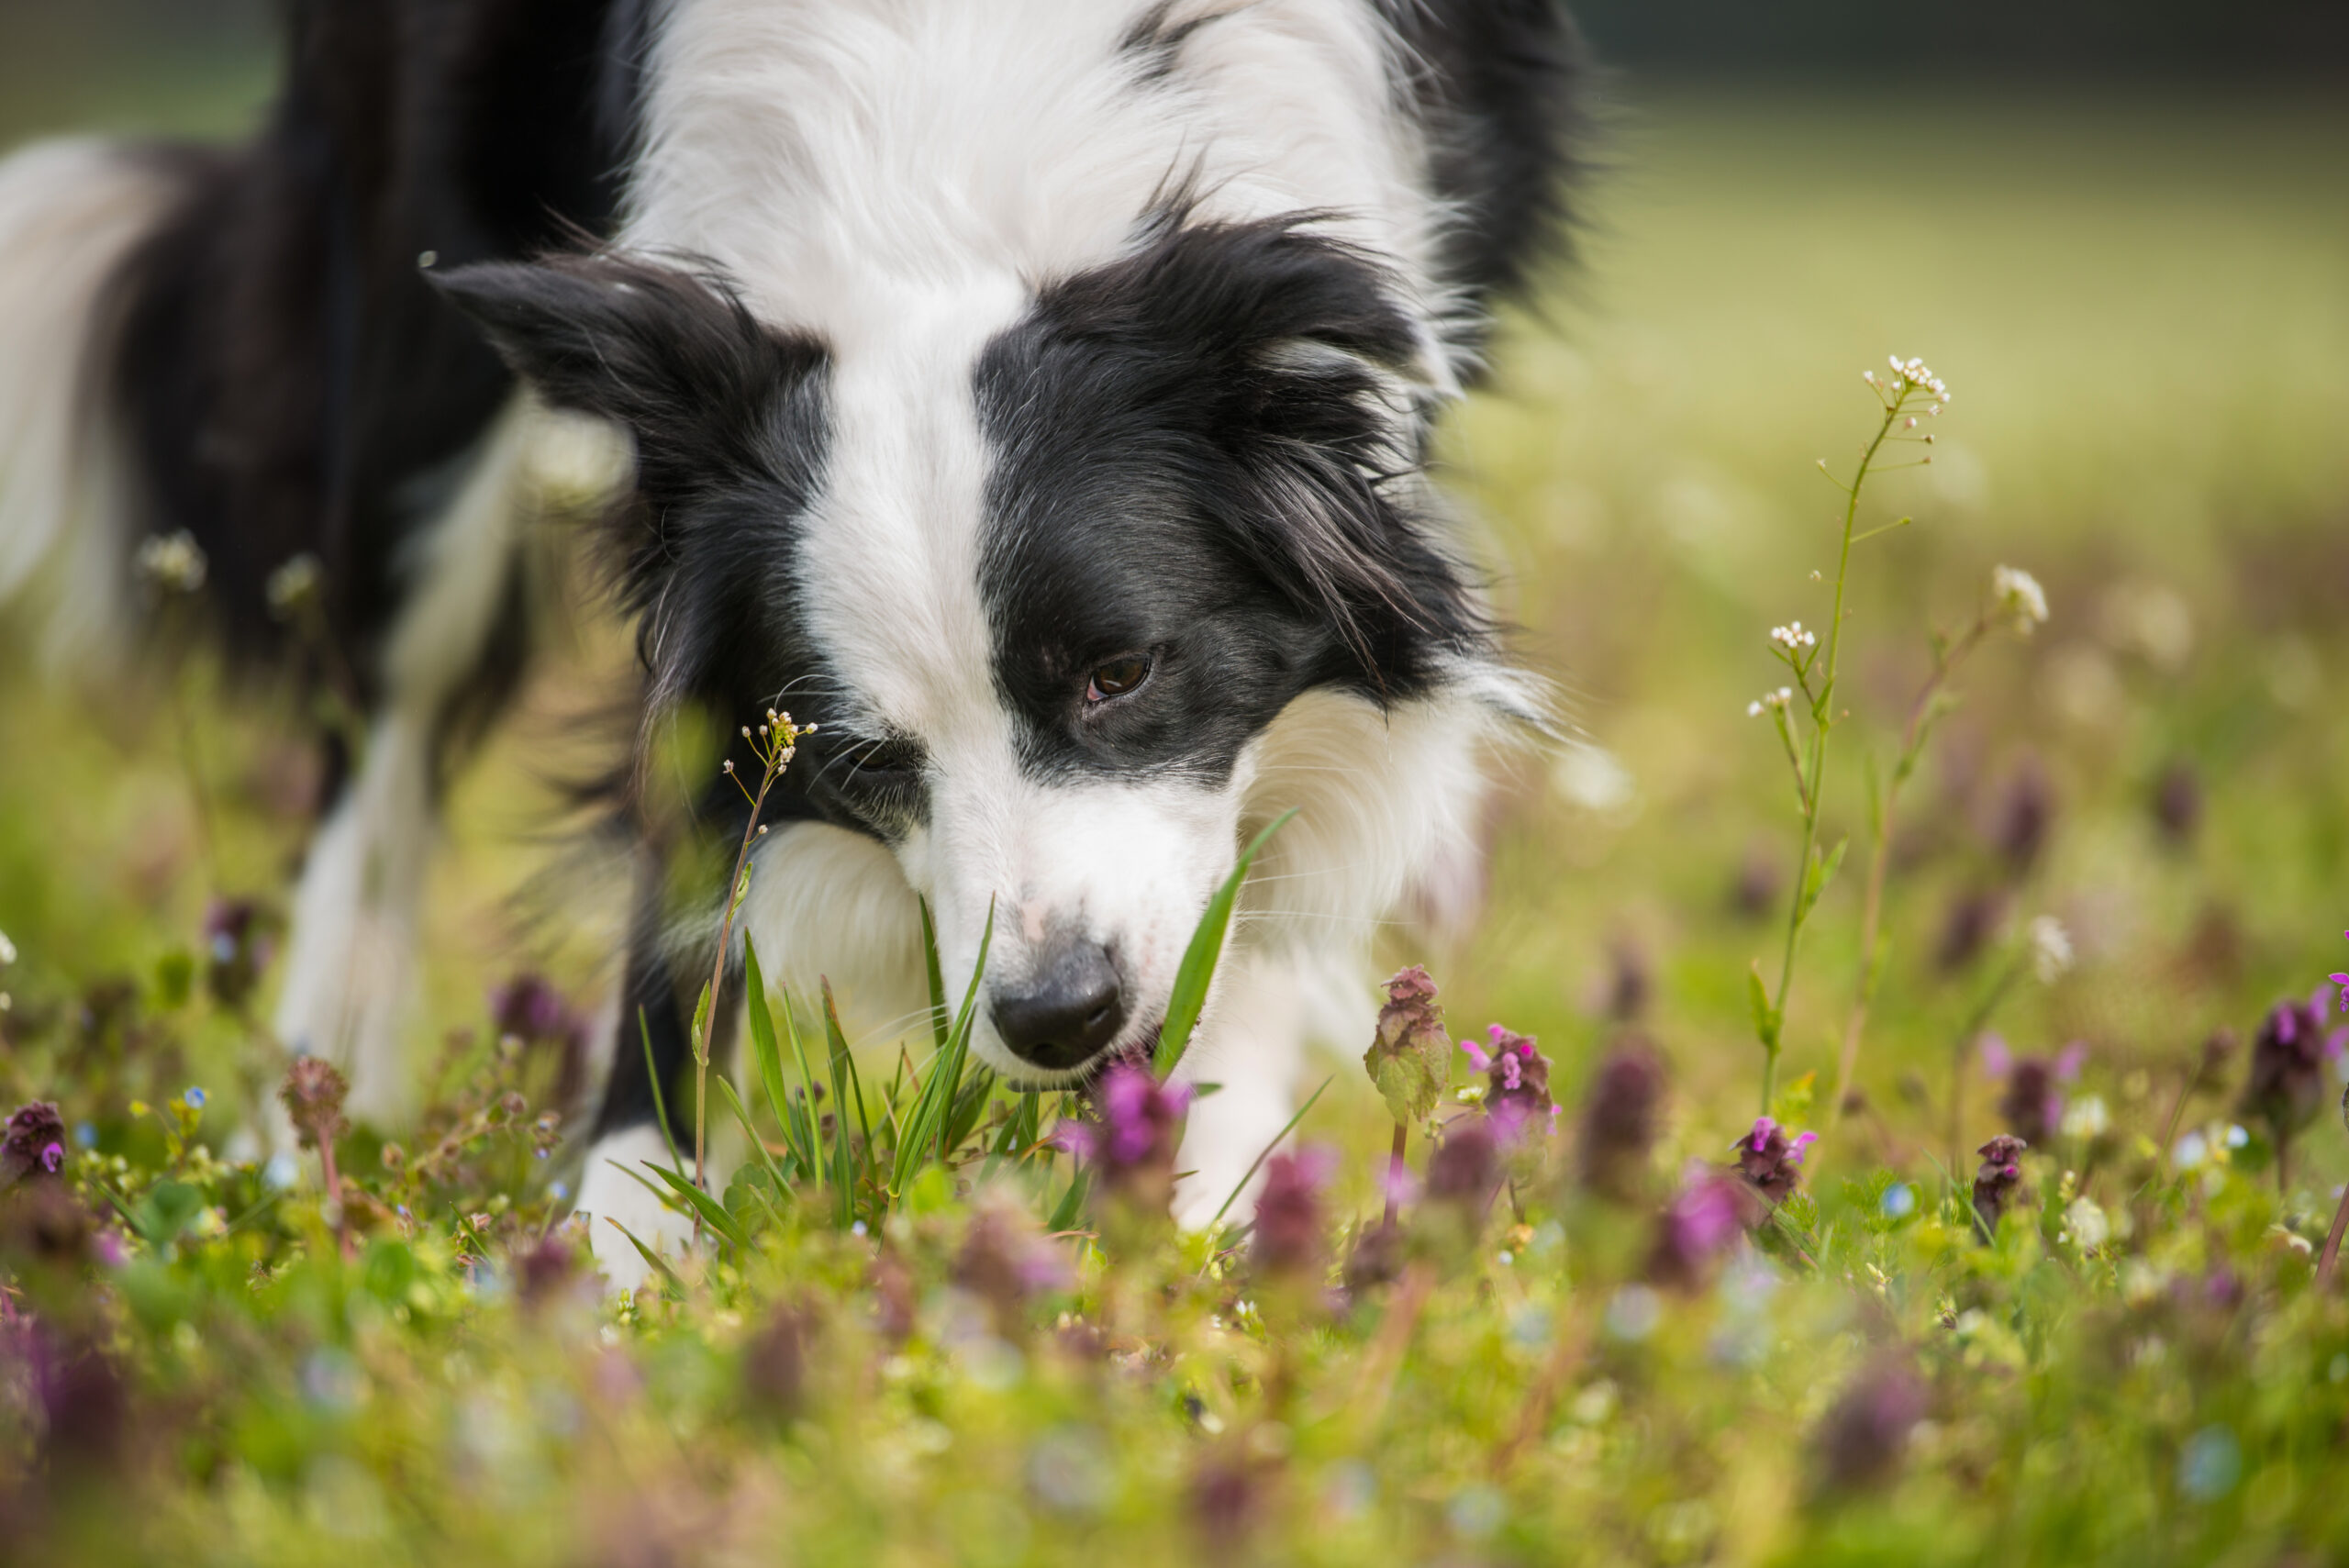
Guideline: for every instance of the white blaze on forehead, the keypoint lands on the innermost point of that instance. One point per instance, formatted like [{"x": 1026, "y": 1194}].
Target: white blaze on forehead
[{"x": 813, "y": 147}]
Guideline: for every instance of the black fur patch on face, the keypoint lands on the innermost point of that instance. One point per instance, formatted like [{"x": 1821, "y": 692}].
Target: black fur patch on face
[{"x": 1196, "y": 455}]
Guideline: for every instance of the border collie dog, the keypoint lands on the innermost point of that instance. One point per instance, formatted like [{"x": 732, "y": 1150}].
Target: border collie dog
[{"x": 1033, "y": 394}]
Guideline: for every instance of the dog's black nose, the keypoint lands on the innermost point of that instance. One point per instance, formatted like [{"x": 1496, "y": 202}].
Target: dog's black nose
[{"x": 1067, "y": 1013}]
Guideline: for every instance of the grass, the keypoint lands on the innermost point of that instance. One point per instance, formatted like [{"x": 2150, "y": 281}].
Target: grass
[{"x": 2139, "y": 309}]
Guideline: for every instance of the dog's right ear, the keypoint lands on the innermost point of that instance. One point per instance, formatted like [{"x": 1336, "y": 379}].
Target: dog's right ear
[{"x": 671, "y": 354}]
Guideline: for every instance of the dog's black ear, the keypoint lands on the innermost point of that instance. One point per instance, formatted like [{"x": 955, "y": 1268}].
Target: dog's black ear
[{"x": 674, "y": 355}]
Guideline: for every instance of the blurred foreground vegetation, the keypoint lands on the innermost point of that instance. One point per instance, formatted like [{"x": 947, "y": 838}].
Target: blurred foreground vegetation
[{"x": 2141, "y": 308}]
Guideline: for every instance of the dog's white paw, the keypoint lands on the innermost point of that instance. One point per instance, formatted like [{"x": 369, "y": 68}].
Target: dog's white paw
[{"x": 608, "y": 1192}]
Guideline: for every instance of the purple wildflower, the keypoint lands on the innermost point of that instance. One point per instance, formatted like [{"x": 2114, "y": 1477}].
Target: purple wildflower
[
  {"x": 312, "y": 1093},
  {"x": 2342, "y": 980},
  {"x": 1409, "y": 1058},
  {"x": 1517, "y": 1096},
  {"x": 775, "y": 1364},
  {"x": 1967, "y": 928},
  {"x": 1618, "y": 1120},
  {"x": 1862, "y": 1439},
  {"x": 1226, "y": 1500},
  {"x": 1466, "y": 1166},
  {"x": 1006, "y": 1262},
  {"x": 1996, "y": 1183},
  {"x": 1770, "y": 1161},
  {"x": 34, "y": 1143},
  {"x": 528, "y": 1008},
  {"x": 548, "y": 1271},
  {"x": 2023, "y": 815},
  {"x": 2286, "y": 1087},
  {"x": 1291, "y": 1231},
  {"x": 1131, "y": 1137},
  {"x": 2034, "y": 1103},
  {"x": 1710, "y": 1212},
  {"x": 2177, "y": 804}
]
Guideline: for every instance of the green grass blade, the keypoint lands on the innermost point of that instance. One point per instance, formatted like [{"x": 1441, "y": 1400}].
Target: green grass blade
[
  {"x": 1072, "y": 1206},
  {"x": 927, "y": 1131},
  {"x": 758, "y": 1145},
  {"x": 1250, "y": 1174},
  {"x": 841, "y": 1066},
  {"x": 652, "y": 1259},
  {"x": 937, "y": 1024},
  {"x": 652, "y": 1075},
  {"x": 1191, "y": 980},
  {"x": 769, "y": 1054}
]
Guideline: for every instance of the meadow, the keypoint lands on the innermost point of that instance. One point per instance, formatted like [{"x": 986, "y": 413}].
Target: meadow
[{"x": 1654, "y": 1332}]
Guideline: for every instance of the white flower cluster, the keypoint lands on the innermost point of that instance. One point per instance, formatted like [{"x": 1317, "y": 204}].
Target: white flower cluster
[
  {"x": 2019, "y": 598},
  {"x": 1793, "y": 636},
  {"x": 1913, "y": 374},
  {"x": 1768, "y": 700},
  {"x": 173, "y": 561},
  {"x": 2050, "y": 949},
  {"x": 293, "y": 585}
]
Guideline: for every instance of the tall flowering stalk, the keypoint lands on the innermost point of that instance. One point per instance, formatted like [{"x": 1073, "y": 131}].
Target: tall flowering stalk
[
  {"x": 1912, "y": 390},
  {"x": 772, "y": 744}
]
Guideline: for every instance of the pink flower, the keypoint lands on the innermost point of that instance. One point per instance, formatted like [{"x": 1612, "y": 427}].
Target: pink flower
[
  {"x": 1518, "y": 1096},
  {"x": 1137, "y": 1122},
  {"x": 1703, "y": 1219},
  {"x": 1770, "y": 1160}
]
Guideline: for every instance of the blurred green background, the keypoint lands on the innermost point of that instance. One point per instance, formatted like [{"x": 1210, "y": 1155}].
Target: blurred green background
[{"x": 2119, "y": 232}]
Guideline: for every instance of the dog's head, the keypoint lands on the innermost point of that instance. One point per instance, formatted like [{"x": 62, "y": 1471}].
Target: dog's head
[{"x": 1042, "y": 562}]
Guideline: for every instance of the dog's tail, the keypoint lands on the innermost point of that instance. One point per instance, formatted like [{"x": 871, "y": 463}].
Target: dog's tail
[{"x": 73, "y": 214}]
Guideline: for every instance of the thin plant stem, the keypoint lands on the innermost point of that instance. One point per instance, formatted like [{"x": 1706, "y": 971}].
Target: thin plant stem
[
  {"x": 774, "y": 746},
  {"x": 1813, "y": 777},
  {"x": 1394, "y": 1169},
  {"x": 2329, "y": 1263},
  {"x": 1912, "y": 741}
]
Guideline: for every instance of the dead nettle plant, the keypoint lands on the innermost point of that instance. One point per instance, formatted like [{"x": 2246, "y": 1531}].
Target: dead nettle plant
[{"x": 1805, "y": 712}]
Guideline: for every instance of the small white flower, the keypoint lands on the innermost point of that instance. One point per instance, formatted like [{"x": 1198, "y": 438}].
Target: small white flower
[
  {"x": 2019, "y": 597},
  {"x": 2050, "y": 949},
  {"x": 2086, "y": 1118},
  {"x": 2087, "y": 1222},
  {"x": 1769, "y": 700},
  {"x": 293, "y": 584},
  {"x": 8, "y": 950},
  {"x": 174, "y": 562}
]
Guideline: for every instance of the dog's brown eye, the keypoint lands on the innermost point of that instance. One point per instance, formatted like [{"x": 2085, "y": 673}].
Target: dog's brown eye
[{"x": 1118, "y": 677}]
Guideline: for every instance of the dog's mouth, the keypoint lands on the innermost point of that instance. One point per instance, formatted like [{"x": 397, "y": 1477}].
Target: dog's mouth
[{"x": 1135, "y": 1047}]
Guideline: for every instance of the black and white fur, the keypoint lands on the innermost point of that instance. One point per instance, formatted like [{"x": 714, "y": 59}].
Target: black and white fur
[{"x": 972, "y": 354}]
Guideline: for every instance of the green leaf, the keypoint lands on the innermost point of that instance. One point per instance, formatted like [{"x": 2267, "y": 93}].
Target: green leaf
[
  {"x": 712, "y": 1212},
  {"x": 1765, "y": 1018},
  {"x": 927, "y": 1125},
  {"x": 1190, "y": 998},
  {"x": 1072, "y": 1206},
  {"x": 1823, "y": 867},
  {"x": 700, "y": 1036}
]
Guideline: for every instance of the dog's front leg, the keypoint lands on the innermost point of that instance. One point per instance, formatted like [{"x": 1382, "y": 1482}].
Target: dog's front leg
[{"x": 1268, "y": 1007}]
